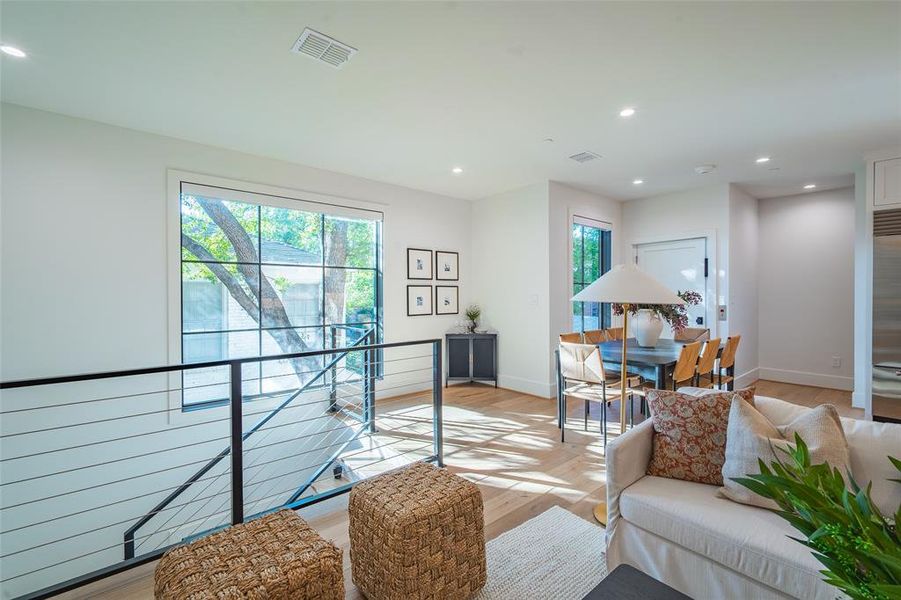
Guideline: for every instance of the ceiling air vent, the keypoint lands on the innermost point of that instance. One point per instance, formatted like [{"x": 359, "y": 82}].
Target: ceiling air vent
[
  {"x": 323, "y": 48},
  {"x": 584, "y": 157}
]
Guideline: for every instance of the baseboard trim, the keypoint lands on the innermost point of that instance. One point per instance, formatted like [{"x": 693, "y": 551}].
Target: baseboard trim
[
  {"x": 542, "y": 389},
  {"x": 835, "y": 382},
  {"x": 746, "y": 379}
]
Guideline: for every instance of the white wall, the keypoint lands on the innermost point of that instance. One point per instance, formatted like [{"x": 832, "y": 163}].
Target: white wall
[
  {"x": 863, "y": 293},
  {"x": 523, "y": 278},
  {"x": 84, "y": 239},
  {"x": 742, "y": 273},
  {"x": 701, "y": 212},
  {"x": 564, "y": 203},
  {"x": 84, "y": 288},
  {"x": 806, "y": 288},
  {"x": 510, "y": 282},
  {"x": 717, "y": 212}
]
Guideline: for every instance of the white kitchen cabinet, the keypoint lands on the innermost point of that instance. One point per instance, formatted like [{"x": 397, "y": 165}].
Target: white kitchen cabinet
[{"x": 887, "y": 183}]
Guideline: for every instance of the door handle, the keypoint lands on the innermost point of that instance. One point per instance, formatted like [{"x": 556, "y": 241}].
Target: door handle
[{"x": 699, "y": 320}]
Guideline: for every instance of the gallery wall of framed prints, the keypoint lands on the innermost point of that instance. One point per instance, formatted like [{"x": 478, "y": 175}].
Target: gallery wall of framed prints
[{"x": 423, "y": 299}]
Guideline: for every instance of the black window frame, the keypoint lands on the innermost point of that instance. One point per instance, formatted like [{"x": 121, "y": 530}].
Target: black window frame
[
  {"x": 324, "y": 326},
  {"x": 605, "y": 314}
]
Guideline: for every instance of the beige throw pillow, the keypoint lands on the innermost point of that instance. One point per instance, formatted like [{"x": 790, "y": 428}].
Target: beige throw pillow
[{"x": 750, "y": 436}]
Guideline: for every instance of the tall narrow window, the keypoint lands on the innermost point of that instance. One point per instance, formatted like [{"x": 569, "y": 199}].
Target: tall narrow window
[
  {"x": 591, "y": 259},
  {"x": 263, "y": 275}
]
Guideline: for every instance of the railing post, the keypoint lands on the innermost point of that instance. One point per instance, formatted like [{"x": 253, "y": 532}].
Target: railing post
[
  {"x": 437, "y": 403},
  {"x": 333, "y": 385},
  {"x": 370, "y": 380},
  {"x": 237, "y": 444}
]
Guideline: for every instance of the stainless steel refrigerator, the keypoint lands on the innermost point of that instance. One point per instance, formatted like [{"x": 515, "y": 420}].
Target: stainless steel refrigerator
[{"x": 887, "y": 316}]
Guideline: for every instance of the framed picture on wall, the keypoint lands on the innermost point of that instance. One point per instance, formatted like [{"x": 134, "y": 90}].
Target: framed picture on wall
[
  {"x": 447, "y": 300},
  {"x": 447, "y": 266},
  {"x": 419, "y": 300},
  {"x": 419, "y": 263}
]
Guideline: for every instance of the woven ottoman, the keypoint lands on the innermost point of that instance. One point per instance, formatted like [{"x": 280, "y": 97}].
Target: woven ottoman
[
  {"x": 417, "y": 533},
  {"x": 277, "y": 557}
]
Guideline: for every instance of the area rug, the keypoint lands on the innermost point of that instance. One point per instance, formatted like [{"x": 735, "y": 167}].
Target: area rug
[{"x": 555, "y": 555}]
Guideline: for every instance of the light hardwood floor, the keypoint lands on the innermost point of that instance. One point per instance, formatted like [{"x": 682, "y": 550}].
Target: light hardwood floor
[{"x": 509, "y": 444}]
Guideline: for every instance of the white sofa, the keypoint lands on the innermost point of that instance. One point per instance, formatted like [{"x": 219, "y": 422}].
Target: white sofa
[{"x": 685, "y": 535}]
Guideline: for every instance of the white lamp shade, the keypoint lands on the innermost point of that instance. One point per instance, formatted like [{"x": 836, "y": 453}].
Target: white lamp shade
[{"x": 627, "y": 284}]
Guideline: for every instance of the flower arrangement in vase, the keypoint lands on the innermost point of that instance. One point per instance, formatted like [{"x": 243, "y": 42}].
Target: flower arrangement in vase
[{"x": 647, "y": 321}]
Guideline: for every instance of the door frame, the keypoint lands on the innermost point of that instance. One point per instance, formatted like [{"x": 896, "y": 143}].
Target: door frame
[{"x": 717, "y": 329}]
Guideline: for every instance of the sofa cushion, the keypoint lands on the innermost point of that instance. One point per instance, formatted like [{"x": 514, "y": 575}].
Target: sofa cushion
[
  {"x": 690, "y": 434},
  {"x": 749, "y": 540},
  {"x": 751, "y": 437},
  {"x": 869, "y": 443}
]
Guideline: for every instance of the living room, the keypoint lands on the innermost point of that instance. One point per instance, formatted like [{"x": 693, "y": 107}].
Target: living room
[{"x": 239, "y": 233}]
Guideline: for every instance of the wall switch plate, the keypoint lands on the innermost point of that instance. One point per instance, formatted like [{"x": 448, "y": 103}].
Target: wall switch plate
[
  {"x": 836, "y": 362},
  {"x": 722, "y": 312},
  {"x": 533, "y": 299}
]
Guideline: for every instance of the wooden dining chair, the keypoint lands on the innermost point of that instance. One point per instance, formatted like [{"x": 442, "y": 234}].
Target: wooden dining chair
[
  {"x": 594, "y": 336},
  {"x": 582, "y": 375},
  {"x": 684, "y": 371},
  {"x": 704, "y": 375},
  {"x": 727, "y": 361},
  {"x": 692, "y": 334},
  {"x": 614, "y": 333},
  {"x": 571, "y": 338}
]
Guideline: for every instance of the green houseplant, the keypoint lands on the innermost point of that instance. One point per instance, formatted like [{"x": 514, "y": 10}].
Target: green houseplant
[
  {"x": 473, "y": 313},
  {"x": 859, "y": 546}
]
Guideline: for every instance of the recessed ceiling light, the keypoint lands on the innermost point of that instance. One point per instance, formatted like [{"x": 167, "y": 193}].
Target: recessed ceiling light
[
  {"x": 637, "y": 181},
  {"x": 627, "y": 112},
  {"x": 457, "y": 170},
  {"x": 810, "y": 186},
  {"x": 12, "y": 51},
  {"x": 763, "y": 159}
]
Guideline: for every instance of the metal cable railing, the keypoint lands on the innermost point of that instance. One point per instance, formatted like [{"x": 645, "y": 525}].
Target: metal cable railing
[{"x": 89, "y": 458}]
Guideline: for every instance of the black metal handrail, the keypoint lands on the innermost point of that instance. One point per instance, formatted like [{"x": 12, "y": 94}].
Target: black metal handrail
[
  {"x": 238, "y": 436},
  {"x": 129, "y": 536}
]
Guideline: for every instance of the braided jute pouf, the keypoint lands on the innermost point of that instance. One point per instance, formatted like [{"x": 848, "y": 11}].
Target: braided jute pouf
[
  {"x": 415, "y": 534},
  {"x": 276, "y": 557}
]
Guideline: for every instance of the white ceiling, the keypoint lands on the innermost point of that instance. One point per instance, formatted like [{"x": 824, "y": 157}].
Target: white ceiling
[{"x": 480, "y": 85}]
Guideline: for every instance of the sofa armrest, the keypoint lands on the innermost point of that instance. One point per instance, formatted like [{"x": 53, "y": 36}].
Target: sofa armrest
[{"x": 627, "y": 461}]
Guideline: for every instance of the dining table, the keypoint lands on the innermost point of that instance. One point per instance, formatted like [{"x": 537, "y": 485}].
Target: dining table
[{"x": 653, "y": 364}]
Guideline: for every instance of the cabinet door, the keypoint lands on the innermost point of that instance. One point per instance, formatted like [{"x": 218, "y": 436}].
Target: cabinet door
[
  {"x": 887, "y": 188},
  {"x": 483, "y": 358},
  {"x": 458, "y": 357}
]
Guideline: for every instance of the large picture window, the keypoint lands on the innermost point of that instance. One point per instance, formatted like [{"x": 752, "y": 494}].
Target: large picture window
[
  {"x": 590, "y": 260},
  {"x": 263, "y": 275}
]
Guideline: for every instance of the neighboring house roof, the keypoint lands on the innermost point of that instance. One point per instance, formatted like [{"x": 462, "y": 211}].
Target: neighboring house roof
[{"x": 279, "y": 252}]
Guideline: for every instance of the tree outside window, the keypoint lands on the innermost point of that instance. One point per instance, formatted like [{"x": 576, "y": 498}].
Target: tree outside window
[
  {"x": 590, "y": 260},
  {"x": 260, "y": 280}
]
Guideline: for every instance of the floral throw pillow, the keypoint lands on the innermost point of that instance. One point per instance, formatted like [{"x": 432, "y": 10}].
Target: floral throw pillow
[{"x": 690, "y": 434}]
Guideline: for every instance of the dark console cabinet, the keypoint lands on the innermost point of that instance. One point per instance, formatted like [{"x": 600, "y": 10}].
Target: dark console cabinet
[{"x": 471, "y": 357}]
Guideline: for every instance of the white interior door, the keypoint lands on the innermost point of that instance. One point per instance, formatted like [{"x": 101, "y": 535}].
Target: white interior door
[{"x": 680, "y": 265}]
